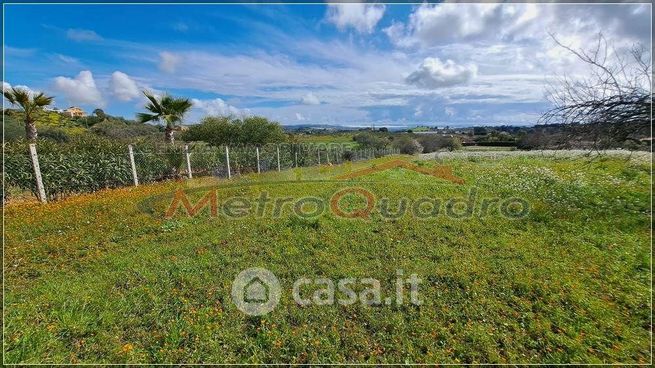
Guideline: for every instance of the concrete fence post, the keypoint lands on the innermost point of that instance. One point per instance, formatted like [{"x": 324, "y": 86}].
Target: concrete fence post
[
  {"x": 227, "y": 160},
  {"x": 327, "y": 156},
  {"x": 258, "y": 167},
  {"x": 318, "y": 153},
  {"x": 188, "y": 161},
  {"x": 296, "y": 158},
  {"x": 40, "y": 189},
  {"x": 135, "y": 178}
]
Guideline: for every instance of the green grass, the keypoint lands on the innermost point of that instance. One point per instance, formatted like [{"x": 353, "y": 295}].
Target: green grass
[
  {"x": 341, "y": 138},
  {"x": 105, "y": 278}
]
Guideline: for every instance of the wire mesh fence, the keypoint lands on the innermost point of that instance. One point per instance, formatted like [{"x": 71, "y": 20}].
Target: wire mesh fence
[{"x": 64, "y": 172}]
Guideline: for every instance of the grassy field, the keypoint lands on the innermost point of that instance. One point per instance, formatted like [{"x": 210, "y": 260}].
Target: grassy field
[
  {"x": 106, "y": 278},
  {"x": 340, "y": 138}
]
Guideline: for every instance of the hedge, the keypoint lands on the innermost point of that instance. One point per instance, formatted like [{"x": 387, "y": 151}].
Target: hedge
[{"x": 88, "y": 165}]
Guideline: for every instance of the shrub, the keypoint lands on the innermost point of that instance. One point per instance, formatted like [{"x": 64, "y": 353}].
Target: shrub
[
  {"x": 117, "y": 129},
  {"x": 407, "y": 145},
  {"x": 257, "y": 130},
  {"x": 453, "y": 144},
  {"x": 87, "y": 164},
  {"x": 174, "y": 155},
  {"x": 221, "y": 130},
  {"x": 14, "y": 128},
  {"x": 435, "y": 142},
  {"x": 214, "y": 130},
  {"x": 532, "y": 140},
  {"x": 54, "y": 134},
  {"x": 369, "y": 140},
  {"x": 77, "y": 166}
]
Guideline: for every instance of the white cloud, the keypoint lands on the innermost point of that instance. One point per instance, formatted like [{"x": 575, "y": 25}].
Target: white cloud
[
  {"x": 450, "y": 111},
  {"x": 81, "y": 35},
  {"x": 65, "y": 59},
  {"x": 80, "y": 90},
  {"x": 299, "y": 117},
  {"x": 280, "y": 76},
  {"x": 123, "y": 87},
  {"x": 439, "y": 24},
  {"x": 216, "y": 107},
  {"x": 310, "y": 99},
  {"x": 396, "y": 33},
  {"x": 433, "y": 73},
  {"x": 168, "y": 61},
  {"x": 361, "y": 17},
  {"x": 432, "y": 24}
]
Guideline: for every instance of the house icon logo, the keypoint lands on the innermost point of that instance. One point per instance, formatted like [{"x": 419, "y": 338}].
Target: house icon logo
[{"x": 256, "y": 291}]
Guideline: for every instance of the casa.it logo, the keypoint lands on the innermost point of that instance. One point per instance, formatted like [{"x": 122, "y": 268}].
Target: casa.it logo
[{"x": 256, "y": 291}]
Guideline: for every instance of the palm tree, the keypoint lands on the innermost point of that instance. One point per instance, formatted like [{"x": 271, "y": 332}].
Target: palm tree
[
  {"x": 167, "y": 109},
  {"x": 30, "y": 104}
]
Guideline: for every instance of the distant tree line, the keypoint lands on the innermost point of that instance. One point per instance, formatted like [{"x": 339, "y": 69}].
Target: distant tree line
[{"x": 407, "y": 143}]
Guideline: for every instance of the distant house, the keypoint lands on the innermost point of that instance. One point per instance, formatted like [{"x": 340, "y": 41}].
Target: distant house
[
  {"x": 75, "y": 112},
  {"x": 53, "y": 109}
]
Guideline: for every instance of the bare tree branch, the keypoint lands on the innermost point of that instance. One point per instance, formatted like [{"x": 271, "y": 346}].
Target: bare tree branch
[{"x": 615, "y": 97}]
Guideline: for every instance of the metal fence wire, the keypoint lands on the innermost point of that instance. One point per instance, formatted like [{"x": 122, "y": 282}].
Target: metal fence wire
[{"x": 65, "y": 173}]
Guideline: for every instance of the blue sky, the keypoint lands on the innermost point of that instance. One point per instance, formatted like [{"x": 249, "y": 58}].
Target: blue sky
[{"x": 346, "y": 64}]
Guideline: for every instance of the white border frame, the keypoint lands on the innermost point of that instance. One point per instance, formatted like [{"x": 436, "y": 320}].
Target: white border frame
[{"x": 544, "y": 2}]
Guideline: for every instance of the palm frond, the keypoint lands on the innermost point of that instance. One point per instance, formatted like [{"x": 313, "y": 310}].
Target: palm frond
[
  {"x": 142, "y": 117},
  {"x": 9, "y": 96},
  {"x": 180, "y": 105},
  {"x": 166, "y": 100},
  {"x": 152, "y": 108},
  {"x": 154, "y": 105},
  {"x": 21, "y": 96},
  {"x": 42, "y": 100}
]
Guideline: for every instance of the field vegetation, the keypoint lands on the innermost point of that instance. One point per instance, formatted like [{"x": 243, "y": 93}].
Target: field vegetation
[{"x": 106, "y": 278}]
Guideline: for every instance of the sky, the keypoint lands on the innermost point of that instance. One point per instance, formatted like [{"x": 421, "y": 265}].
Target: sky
[{"x": 344, "y": 64}]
